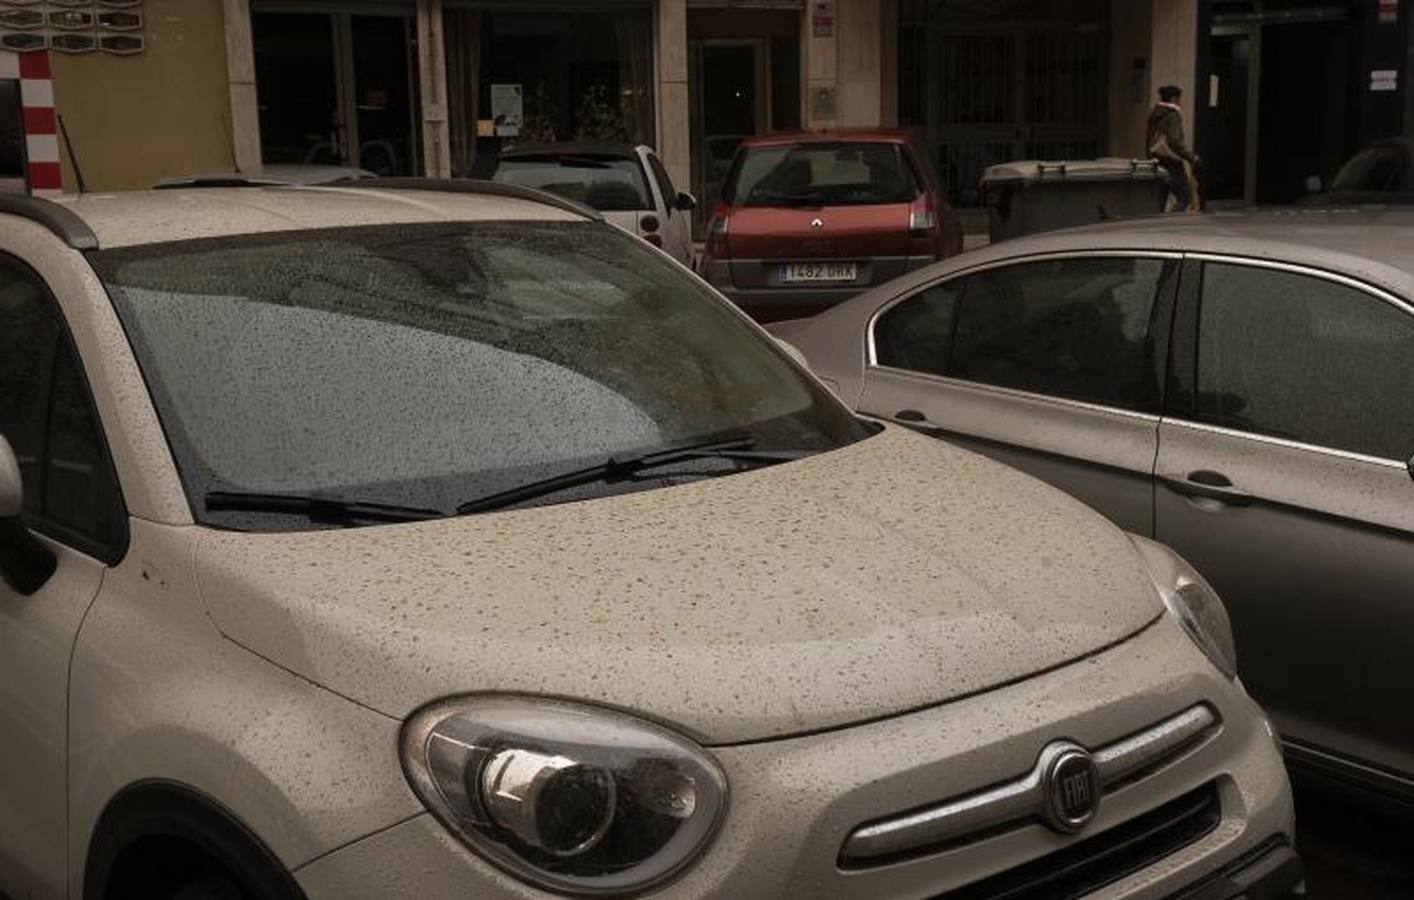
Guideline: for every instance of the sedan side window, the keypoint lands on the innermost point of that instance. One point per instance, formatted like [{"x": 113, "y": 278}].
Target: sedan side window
[
  {"x": 71, "y": 491},
  {"x": 1304, "y": 358},
  {"x": 916, "y": 334},
  {"x": 1079, "y": 328}
]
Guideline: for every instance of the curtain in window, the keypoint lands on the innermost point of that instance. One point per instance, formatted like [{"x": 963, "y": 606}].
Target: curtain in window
[
  {"x": 462, "y": 33},
  {"x": 631, "y": 32}
]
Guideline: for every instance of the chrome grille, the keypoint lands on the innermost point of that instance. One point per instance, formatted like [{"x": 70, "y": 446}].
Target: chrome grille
[{"x": 1022, "y": 801}]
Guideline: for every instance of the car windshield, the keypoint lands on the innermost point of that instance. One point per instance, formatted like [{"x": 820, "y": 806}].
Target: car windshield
[
  {"x": 609, "y": 184},
  {"x": 424, "y": 365},
  {"x": 824, "y": 174}
]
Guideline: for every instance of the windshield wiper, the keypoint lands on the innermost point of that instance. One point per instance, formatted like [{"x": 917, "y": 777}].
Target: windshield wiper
[
  {"x": 318, "y": 509},
  {"x": 615, "y": 468}
]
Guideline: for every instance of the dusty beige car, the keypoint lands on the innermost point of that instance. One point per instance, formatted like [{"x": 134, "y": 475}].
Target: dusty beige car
[{"x": 372, "y": 542}]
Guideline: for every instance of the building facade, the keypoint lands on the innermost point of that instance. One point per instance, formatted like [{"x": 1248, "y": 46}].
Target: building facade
[
  {"x": 437, "y": 87},
  {"x": 1276, "y": 91}
]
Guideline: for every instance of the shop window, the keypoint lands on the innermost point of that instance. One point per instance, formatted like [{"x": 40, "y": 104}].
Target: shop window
[
  {"x": 546, "y": 74},
  {"x": 336, "y": 89}
]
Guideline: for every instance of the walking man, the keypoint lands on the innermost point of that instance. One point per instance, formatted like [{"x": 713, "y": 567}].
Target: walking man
[{"x": 1166, "y": 143}]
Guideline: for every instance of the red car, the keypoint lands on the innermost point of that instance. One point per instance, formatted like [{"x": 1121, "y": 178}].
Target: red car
[{"x": 807, "y": 220}]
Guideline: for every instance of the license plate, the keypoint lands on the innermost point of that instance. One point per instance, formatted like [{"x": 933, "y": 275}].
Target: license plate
[{"x": 797, "y": 272}]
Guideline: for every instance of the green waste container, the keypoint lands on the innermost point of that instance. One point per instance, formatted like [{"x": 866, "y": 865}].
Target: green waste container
[{"x": 1030, "y": 196}]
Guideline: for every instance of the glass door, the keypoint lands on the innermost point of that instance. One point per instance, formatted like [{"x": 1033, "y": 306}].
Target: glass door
[
  {"x": 297, "y": 90},
  {"x": 728, "y": 104},
  {"x": 382, "y": 100},
  {"x": 336, "y": 89},
  {"x": 1226, "y": 111}
]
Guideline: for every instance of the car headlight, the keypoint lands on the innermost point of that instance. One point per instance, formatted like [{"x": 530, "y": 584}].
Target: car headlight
[
  {"x": 1193, "y": 602},
  {"x": 569, "y": 797}
]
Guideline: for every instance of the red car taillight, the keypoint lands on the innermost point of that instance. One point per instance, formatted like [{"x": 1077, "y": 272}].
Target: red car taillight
[
  {"x": 922, "y": 221},
  {"x": 717, "y": 232}
]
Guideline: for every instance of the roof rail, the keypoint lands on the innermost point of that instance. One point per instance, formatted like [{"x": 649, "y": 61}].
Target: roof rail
[
  {"x": 63, "y": 222},
  {"x": 474, "y": 186}
]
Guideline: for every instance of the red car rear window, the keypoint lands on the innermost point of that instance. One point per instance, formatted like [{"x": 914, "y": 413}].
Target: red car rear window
[{"x": 840, "y": 173}]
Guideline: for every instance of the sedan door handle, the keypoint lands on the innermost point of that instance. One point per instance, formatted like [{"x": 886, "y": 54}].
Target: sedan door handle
[
  {"x": 912, "y": 418},
  {"x": 1208, "y": 485}
]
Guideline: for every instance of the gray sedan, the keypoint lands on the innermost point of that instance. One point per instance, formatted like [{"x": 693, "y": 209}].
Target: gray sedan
[{"x": 1236, "y": 386}]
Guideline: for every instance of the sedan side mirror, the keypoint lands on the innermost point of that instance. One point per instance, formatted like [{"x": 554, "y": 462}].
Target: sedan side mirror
[
  {"x": 685, "y": 202},
  {"x": 26, "y": 562}
]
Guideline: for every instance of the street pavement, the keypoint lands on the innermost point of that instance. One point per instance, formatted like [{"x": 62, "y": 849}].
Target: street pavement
[{"x": 1353, "y": 853}]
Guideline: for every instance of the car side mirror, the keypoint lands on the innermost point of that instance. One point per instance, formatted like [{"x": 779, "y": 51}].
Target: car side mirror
[
  {"x": 26, "y": 562},
  {"x": 685, "y": 202},
  {"x": 1411, "y": 467}
]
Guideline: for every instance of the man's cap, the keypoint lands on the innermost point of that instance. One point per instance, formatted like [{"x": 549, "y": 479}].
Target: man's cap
[{"x": 1170, "y": 92}]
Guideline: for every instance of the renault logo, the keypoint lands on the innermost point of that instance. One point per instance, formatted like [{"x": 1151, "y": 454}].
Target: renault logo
[
  {"x": 1071, "y": 785},
  {"x": 817, "y": 223}
]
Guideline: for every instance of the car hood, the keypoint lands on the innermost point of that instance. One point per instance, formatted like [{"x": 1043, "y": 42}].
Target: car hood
[{"x": 886, "y": 576}]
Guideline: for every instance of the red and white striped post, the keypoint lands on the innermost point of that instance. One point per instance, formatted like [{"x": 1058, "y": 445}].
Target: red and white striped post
[
  {"x": 41, "y": 128},
  {"x": 40, "y": 125}
]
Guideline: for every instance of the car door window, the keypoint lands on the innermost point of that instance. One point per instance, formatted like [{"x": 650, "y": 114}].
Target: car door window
[
  {"x": 28, "y": 336},
  {"x": 1304, "y": 358},
  {"x": 46, "y": 414},
  {"x": 80, "y": 491},
  {"x": 1079, "y": 328},
  {"x": 916, "y": 334},
  {"x": 665, "y": 184}
]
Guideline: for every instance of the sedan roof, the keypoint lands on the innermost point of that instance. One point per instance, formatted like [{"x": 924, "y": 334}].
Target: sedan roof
[
  {"x": 174, "y": 214},
  {"x": 1370, "y": 242}
]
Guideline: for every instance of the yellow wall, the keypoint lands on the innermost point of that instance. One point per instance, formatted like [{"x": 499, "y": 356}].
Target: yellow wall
[{"x": 137, "y": 119}]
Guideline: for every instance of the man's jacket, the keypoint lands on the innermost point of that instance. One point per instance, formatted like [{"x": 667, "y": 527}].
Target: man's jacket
[{"x": 1166, "y": 132}]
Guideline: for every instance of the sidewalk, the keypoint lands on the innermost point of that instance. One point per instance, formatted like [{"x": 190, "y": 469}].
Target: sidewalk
[{"x": 975, "y": 234}]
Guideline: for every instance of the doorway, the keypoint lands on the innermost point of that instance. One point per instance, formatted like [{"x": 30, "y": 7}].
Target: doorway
[
  {"x": 730, "y": 105},
  {"x": 1274, "y": 118},
  {"x": 743, "y": 80},
  {"x": 1303, "y": 118},
  {"x": 1226, "y": 112},
  {"x": 336, "y": 89}
]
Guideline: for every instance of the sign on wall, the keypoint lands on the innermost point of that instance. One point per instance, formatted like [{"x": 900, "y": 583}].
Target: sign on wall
[
  {"x": 1389, "y": 12},
  {"x": 72, "y": 26},
  {"x": 507, "y": 109},
  {"x": 822, "y": 18}
]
